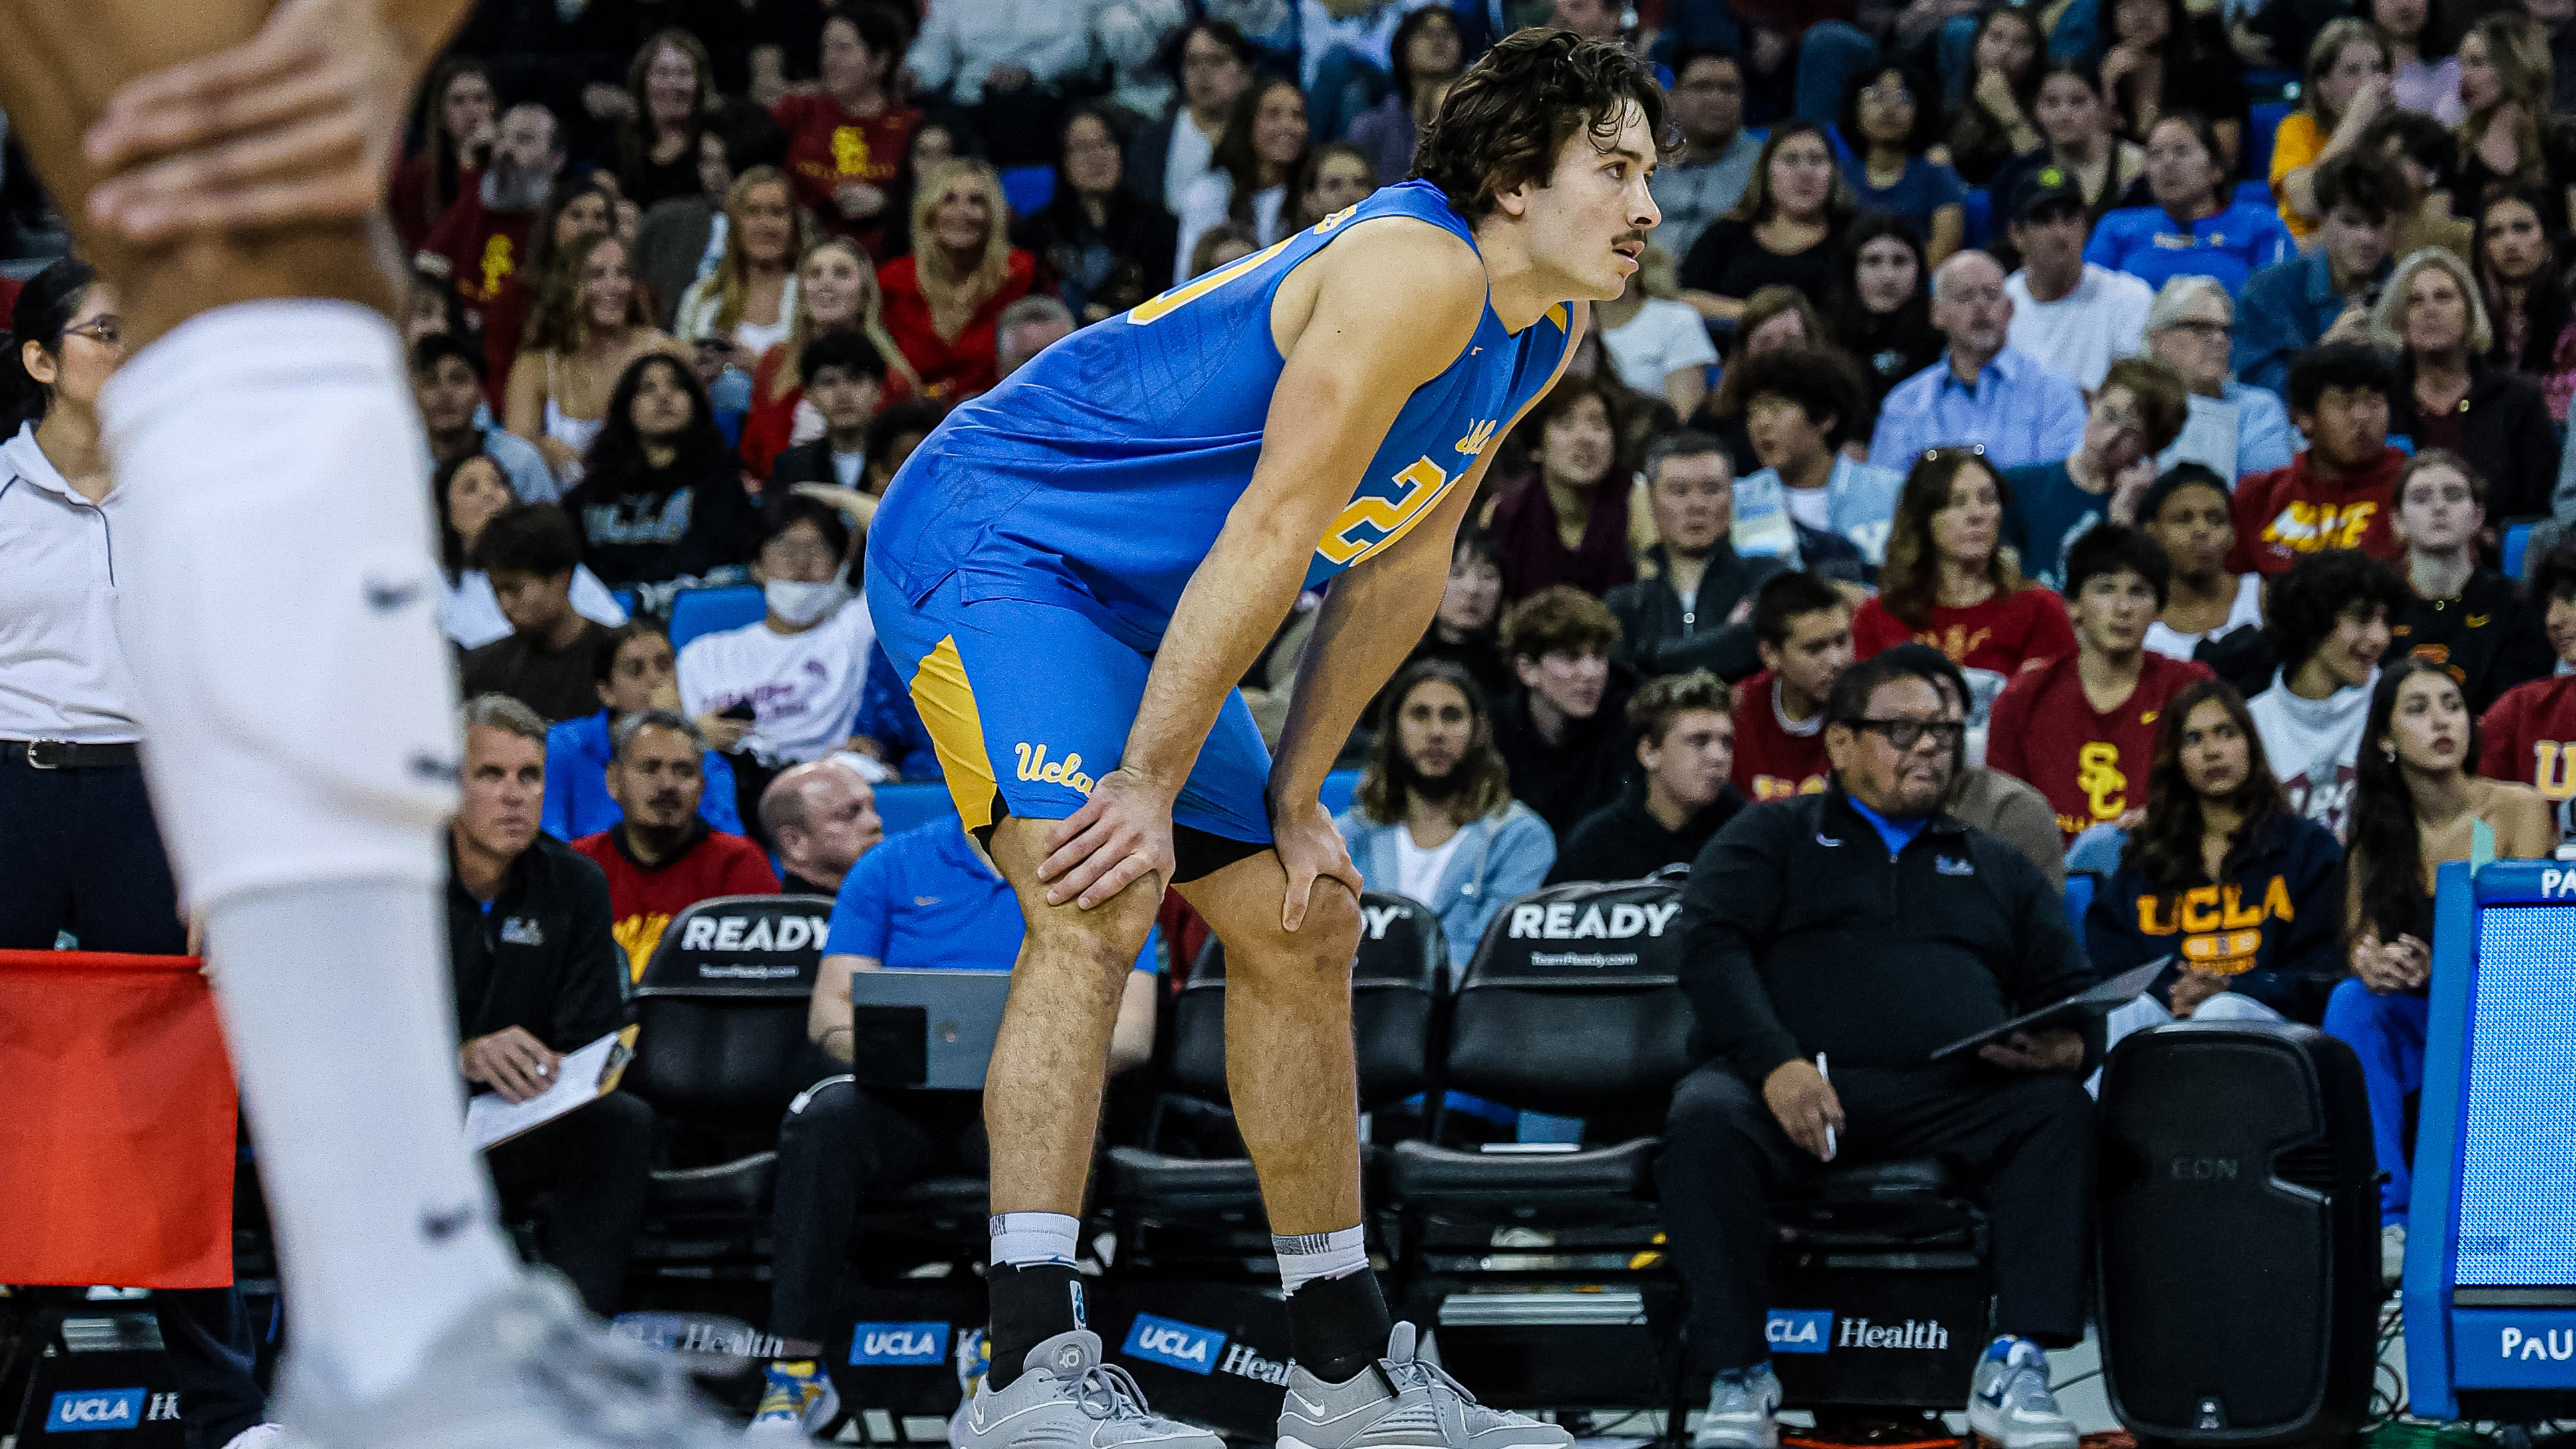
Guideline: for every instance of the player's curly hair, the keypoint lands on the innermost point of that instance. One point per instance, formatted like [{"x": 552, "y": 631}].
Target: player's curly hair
[{"x": 1506, "y": 118}]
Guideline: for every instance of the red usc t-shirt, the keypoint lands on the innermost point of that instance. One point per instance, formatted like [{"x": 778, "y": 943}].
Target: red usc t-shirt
[
  {"x": 827, "y": 146},
  {"x": 2001, "y": 634},
  {"x": 1770, "y": 762},
  {"x": 2531, "y": 737},
  {"x": 2091, "y": 766},
  {"x": 641, "y": 902}
]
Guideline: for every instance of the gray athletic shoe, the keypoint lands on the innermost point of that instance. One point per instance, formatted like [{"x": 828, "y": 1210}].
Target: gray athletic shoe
[
  {"x": 1743, "y": 1411},
  {"x": 1408, "y": 1402},
  {"x": 2009, "y": 1401},
  {"x": 525, "y": 1369},
  {"x": 1066, "y": 1398}
]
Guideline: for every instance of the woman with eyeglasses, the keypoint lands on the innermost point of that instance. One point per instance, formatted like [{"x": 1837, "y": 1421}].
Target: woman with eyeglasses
[
  {"x": 1892, "y": 116},
  {"x": 1949, "y": 581},
  {"x": 79, "y": 848}
]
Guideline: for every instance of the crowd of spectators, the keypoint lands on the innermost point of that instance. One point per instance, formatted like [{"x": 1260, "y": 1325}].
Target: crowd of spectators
[{"x": 1990, "y": 366}]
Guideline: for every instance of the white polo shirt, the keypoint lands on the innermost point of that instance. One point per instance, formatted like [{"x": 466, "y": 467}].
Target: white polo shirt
[{"x": 62, "y": 675}]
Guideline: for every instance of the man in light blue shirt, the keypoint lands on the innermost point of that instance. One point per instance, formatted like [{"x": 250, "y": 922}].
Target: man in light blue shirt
[
  {"x": 2235, "y": 429},
  {"x": 1981, "y": 391}
]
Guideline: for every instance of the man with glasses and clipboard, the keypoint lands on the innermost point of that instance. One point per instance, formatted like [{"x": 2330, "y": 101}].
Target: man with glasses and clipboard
[{"x": 1866, "y": 926}]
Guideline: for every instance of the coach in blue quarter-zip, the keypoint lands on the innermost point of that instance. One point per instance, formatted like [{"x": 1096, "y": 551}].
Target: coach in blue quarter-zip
[{"x": 1865, "y": 925}]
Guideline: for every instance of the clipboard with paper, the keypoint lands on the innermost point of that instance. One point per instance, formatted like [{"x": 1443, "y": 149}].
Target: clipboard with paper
[
  {"x": 589, "y": 1073},
  {"x": 2102, "y": 1000}
]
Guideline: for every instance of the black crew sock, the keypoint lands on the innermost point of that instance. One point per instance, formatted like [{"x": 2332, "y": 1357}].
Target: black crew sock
[
  {"x": 1032, "y": 1302},
  {"x": 1338, "y": 1326}
]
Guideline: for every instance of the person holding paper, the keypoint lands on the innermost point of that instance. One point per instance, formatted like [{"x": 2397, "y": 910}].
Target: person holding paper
[
  {"x": 536, "y": 973},
  {"x": 1866, "y": 924}
]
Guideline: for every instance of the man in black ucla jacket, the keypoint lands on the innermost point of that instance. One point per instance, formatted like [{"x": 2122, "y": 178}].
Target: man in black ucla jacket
[{"x": 1860, "y": 929}]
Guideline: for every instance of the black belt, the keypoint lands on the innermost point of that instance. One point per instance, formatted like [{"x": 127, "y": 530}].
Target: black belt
[{"x": 64, "y": 755}]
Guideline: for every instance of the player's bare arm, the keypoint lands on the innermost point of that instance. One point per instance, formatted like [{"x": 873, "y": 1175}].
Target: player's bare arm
[
  {"x": 297, "y": 124},
  {"x": 1362, "y": 324},
  {"x": 1370, "y": 621}
]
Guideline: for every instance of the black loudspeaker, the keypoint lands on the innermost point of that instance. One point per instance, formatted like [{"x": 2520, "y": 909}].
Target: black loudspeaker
[{"x": 2239, "y": 1246}]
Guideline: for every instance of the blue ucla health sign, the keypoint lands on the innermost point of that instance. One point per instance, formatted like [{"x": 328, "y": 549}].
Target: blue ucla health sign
[
  {"x": 1799, "y": 1330},
  {"x": 1174, "y": 1344}
]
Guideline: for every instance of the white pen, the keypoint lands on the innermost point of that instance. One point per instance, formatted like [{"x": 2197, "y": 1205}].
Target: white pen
[{"x": 1830, "y": 1146}]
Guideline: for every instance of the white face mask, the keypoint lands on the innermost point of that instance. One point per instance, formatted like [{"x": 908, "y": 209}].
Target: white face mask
[{"x": 801, "y": 604}]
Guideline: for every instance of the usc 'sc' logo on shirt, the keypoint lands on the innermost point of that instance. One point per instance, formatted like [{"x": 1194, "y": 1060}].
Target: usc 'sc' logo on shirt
[
  {"x": 2097, "y": 774},
  {"x": 849, "y": 150}
]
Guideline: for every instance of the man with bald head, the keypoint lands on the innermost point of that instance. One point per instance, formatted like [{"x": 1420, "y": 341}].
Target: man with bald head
[
  {"x": 1982, "y": 390},
  {"x": 821, "y": 816}
]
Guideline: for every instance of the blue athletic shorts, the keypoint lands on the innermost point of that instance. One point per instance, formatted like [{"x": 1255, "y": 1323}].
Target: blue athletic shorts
[{"x": 1027, "y": 704}]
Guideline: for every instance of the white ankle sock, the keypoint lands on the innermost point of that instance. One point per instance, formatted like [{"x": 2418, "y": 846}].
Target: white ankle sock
[
  {"x": 1024, "y": 1238},
  {"x": 1307, "y": 1257},
  {"x": 335, "y": 1004}
]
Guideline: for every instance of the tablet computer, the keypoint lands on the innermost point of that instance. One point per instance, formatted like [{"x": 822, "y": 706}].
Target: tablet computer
[
  {"x": 925, "y": 1028},
  {"x": 2102, "y": 1000}
]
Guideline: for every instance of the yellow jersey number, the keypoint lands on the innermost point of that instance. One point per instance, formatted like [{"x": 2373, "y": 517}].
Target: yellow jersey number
[{"x": 1423, "y": 480}]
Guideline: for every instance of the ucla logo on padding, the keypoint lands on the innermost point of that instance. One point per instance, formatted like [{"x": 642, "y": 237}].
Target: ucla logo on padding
[
  {"x": 1174, "y": 1344},
  {"x": 1799, "y": 1330},
  {"x": 899, "y": 1343},
  {"x": 76, "y": 1411}
]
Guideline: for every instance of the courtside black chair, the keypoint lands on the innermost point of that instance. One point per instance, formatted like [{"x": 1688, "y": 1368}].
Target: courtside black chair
[
  {"x": 1189, "y": 1195},
  {"x": 1572, "y": 1006},
  {"x": 1537, "y": 1262},
  {"x": 720, "y": 1052}
]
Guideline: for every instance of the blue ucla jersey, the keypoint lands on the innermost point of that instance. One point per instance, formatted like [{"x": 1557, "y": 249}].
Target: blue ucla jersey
[{"x": 1097, "y": 476}]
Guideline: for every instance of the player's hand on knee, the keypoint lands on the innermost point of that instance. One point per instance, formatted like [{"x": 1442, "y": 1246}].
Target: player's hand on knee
[
  {"x": 298, "y": 123},
  {"x": 1121, "y": 835},
  {"x": 1313, "y": 851}
]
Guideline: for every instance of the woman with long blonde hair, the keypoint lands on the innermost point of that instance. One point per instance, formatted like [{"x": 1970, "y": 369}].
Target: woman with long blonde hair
[
  {"x": 836, "y": 291},
  {"x": 748, "y": 305},
  {"x": 591, "y": 321},
  {"x": 942, "y": 301}
]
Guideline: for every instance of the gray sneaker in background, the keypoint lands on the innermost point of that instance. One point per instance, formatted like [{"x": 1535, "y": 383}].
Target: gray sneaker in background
[
  {"x": 525, "y": 1369},
  {"x": 1406, "y": 1401},
  {"x": 1743, "y": 1411},
  {"x": 1066, "y": 1398},
  {"x": 2009, "y": 1401}
]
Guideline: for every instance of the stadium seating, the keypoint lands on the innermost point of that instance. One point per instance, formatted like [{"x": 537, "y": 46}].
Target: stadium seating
[
  {"x": 2265, "y": 119},
  {"x": 712, "y": 611},
  {"x": 2517, "y": 545},
  {"x": 1028, "y": 189}
]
